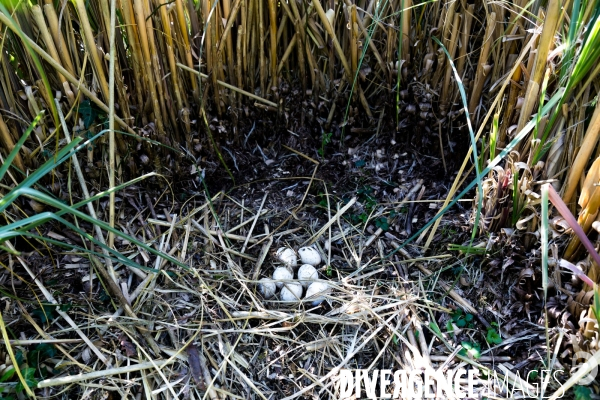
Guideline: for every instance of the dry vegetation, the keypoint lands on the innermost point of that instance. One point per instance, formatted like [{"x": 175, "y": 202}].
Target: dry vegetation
[{"x": 102, "y": 102}]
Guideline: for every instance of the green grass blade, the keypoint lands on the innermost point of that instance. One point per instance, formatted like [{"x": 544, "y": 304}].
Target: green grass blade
[
  {"x": 463, "y": 96},
  {"x": 43, "y": 198}
]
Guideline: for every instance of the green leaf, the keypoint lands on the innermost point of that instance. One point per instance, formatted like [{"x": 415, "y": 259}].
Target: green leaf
[
  {"x": 46, "y": 313},
  {"x": 471, "y": 349},
  {"x": 449, "y": 326},
  {"x": 28, "y": 375},
  {"x": 469, "y": 317},
  {"x": 493, "y": 337},
  {"x": 8, "y": 374},
  {"x": 435, "y": 328},
  {"x": 42, "y": 352},
  {"x": 582, "y": 393}
]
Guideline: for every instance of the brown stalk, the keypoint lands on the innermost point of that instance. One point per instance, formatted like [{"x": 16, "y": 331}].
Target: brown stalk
[
  {"x": 509, "y": 110},
  {"x": 406, "y": 17},
  {"x": 261, "y": 48},
  {"x": 336, "y": 44},
  {"x": 253, "y": 43},
  {"x": 464, "y": 46},
  {"x": 353, "y": 39},
  {"x": 36, "y": 11},
  {"x": 480, "y": 76},
  {"x": 449, "y": 24},
  {"x": 287, "y": 53},
  {"x": 244, "y": 33},
  {"x": 148, "y": 75},
  {"x": 240, "y": 68},
  {"x": 90, "y": 46},
  {"x": 384, "y": 69},
  {"x": 589, "y": 143},
  {"x": 446, "y": 87},
  {"x": 9, "y": 143},
  {"x": 158, "y": 52},
  {"x": 543, "y": 48},
  {"x": 273, "y": 33},
  {"x": 59, "y": 40},
  {"x": 226, "y": 37}
]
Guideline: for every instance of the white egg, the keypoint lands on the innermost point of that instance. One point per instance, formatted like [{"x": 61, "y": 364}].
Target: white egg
[
  {"x": 313, "y": 291},
  {"x": 282, "y": 274},
  {"x": 287, "y": 256},
  {"x": 291, "y": 291},
  {"x": 307, "y": 274},
  {"x": 267, "y": 287},
  {"x": 309, "y": 255}
]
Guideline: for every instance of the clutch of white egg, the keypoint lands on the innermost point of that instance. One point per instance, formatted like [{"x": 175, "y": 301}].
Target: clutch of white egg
[{"x": 307, "y": 275}]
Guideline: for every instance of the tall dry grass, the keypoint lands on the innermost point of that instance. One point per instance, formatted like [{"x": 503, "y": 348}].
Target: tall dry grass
[{"x": 177, "y": 64}]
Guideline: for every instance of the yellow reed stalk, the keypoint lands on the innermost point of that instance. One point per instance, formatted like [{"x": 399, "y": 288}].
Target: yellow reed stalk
[
  {"x": 466, "y": 33},
  {"x": 136, "y": 52},
  {"x": 384, "y": 68},
  {"x": 273, "y": 17},
  {"x": 90, "y": 45},
  {"x": 294, "y": 15},
  {"x": 482, "y": 64},
  {"x": 211, "y": 61},
  {"x": 156, "y": 68},
  {"x": 446, "y": 87},
  {"x": 281, "y": 29},
  {"x": 244, "y": 33},
  {"x": 230, "y": 87},
  {"x": 287, "y": 53},
  {"x": 509, "y": 110},
  {"x": 122, "y": 97},
  {"x": 140, "y": 17},
  {"x": 94, "y": 99},
  {"x": 252, "y": 43},
  {"x": 166, "y": 24},
  {"x": 589, "y": 184},
  {"x": 57, "y": 35},
  {"x": 38, "y": 17},
  {"x": 587, "y": 146},
  {"x": 229, "y": 17},
  {"x": 446, "y": 39},
  {"x": 226, "y": 37},
  {"x": 336, "y": 44},
  {"x": 181, "y": 20},
  {"x": 543, "y": 48},
  {"x": 353, "y": 39},
  {"x": 9, "y": 143},
  {"x": 406, "y": 16},
  {"x": 239, "y": 69},
  {"x": 261, "y": 49}
]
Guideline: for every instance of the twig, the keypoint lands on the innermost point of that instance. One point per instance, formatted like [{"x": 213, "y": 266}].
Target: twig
[{"x": 100, "y": 374}]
